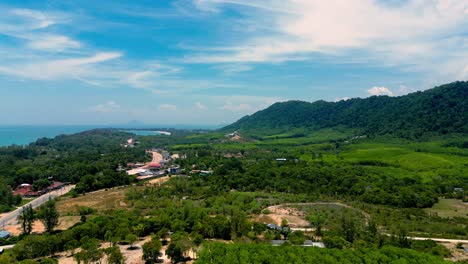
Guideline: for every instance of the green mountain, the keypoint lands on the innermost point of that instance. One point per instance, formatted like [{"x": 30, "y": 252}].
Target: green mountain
[{"x": 440, "y": 110}]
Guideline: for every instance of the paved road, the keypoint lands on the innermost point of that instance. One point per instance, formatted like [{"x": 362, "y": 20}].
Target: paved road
[
  {"x": 11, "y": 218},
  {"x": 6, "y": 247},
  {"x": 441, "y": 240}
]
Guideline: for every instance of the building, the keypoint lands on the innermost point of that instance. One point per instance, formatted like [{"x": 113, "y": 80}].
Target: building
[
  {"x": 307, "y": 243},
  {"x": 4, "y": 234},
  {"x": 23, "y": 189},
  {"x": 278, "y": 228},
  {"x": 136, "y": 171},
  {"x": 154, "y": 166},
  {"x": 310, "y": 243},
  {"x": 174, "y": 169},
  {"x": 233, "y": 134},
  {"x": 55, "y": 186}
]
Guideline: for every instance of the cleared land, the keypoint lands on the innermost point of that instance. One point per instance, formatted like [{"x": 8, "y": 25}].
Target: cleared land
[
  {"x": 449, "y": 208},
  {"x": 99, "y": 200}
]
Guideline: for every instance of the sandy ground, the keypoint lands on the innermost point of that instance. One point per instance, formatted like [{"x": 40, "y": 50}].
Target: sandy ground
[
  {"x": 236, "y": 138},
  {"x": 158, "y": 181},
  {"x": 457, "y": 254},
  {"x": 277, "y": 213},
  {"x": 38, "y": 227},
  {"x": 16, "y": 230},
  {"x": 157, "y": 157},
  {"x": 133, "y": 256}
]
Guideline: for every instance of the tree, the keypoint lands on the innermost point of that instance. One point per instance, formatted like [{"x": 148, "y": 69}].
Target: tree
[
  {"x": 151, "y": 250},
  {"x": 178, "y": 247},
  {"x": 40, "y": 184},
  {"x": 131, "y": 239},
  {"x": 90, "y": 251},
  {"x": 318, "y": 220},
  {"x": 114, "y": 256},
  {"x": 49, "y": 215},
  {"x": 348, "y": 228},
  {"x": 71, "y": 245},
  {"x": 297, "y": 238},
  {"x": 27, "y": 218}
]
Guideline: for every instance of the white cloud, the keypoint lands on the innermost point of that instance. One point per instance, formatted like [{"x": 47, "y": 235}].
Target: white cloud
[
  {"x": 57, "y": 69},
  {"x": 107, "y": 107},
  {"x": 54, "y": 43},
  {"x": 411, "y": 32},
  {"x": 200, "y": 106},
  {"x": 379, "y": 90},
  {"x": 35, "y": 19},
  {"x": 168, "y": 107},
  {"x": 234, "y": 68}
]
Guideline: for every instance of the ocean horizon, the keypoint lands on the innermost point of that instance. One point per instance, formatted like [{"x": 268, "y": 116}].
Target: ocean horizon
[
  {"x": 26, "y": 134},
  {"x": 23, "y": 135}
]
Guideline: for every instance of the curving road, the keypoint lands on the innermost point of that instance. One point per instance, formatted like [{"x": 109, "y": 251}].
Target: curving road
[{"x": 11, "y": 218}]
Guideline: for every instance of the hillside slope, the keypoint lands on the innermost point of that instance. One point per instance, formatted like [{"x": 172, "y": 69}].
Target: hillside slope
[{"x": 440, "y": 110}]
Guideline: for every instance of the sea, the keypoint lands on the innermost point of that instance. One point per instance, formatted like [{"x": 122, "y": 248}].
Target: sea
[{"x": 23, "y": 135}]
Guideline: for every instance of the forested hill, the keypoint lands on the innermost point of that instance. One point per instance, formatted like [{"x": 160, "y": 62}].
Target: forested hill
[{"x": 440, "y": 110}]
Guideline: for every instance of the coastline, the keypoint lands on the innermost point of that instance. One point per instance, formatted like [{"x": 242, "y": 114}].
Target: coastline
[{"x": 21, "y": 135}]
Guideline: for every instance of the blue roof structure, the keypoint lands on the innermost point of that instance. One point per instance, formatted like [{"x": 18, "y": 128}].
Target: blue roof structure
[{"x": 4, "y": 234}]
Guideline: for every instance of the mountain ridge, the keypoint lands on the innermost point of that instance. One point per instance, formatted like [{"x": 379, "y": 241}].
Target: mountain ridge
[{"x": 442, "y": 109}]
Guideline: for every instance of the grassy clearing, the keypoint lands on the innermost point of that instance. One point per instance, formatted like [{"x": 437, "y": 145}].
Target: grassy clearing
[
  {"x": 65, "y": 222},
  {"x": 187, "y": 146},
  {"x": 99, "y": 200},
  {"x": 449, "y": 208},
  {"x": 408, "y": 157},
  {"x": 299, "y": 137}
]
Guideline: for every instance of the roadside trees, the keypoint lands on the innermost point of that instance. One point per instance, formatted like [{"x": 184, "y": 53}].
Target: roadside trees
[
  {"x": 49, "y": 215},
  {"x": 27, "y": 218}
]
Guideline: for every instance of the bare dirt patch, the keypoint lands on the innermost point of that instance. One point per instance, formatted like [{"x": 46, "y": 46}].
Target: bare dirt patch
[
  {"x": 16, "y": 230},
  {"x": 277, "y": 213},
  {"x": 457, "y": 254},
  {"x": 132, "y": 256},
  {"x": 158, "y": 181}
]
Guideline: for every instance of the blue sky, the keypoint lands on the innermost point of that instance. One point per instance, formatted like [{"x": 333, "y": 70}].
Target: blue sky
[{"x": 214, "y": 61}]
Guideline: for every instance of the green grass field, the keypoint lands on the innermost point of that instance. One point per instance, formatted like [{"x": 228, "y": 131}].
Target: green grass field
[{"x": 449, "y": 208}]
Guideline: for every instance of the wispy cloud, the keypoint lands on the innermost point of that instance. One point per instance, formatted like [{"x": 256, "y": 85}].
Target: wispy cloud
[
  {"x": 167, "y": 107},
  {"x": 56, "y": 69},
  {"x": 107, "y": 107},
  {"x": 54, "y": 43},
  {"x": 389, "y": 34}
]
